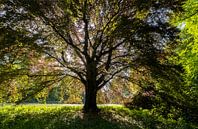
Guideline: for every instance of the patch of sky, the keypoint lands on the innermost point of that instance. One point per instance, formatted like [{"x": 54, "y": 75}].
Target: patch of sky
[
  {"x": 158, "y": 16},
  {"x": 181, "y": 26},
  {"x": 2, "y": 13}
]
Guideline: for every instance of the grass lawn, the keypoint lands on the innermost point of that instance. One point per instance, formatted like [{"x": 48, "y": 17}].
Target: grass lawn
[{"x": 71, "y": 117}]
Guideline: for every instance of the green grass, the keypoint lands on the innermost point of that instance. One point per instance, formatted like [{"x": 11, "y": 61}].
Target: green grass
[{"x": 71, "y": 117}]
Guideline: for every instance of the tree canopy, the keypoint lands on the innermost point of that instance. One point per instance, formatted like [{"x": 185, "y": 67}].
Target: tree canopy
[{"x": 93, "y": 41}]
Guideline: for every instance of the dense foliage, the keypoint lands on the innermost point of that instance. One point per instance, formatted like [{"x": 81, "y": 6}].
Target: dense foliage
[
  {"x": 188, "y": 49},
  {"x": 176, "y": 94},
  {"x": 188, "y": 57}
]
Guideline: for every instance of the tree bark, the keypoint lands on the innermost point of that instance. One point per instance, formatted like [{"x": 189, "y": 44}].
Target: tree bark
[{"x": 90, "y": 105}]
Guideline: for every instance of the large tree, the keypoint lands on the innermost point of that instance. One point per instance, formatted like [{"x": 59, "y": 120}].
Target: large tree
[{"x": 94, "y": 41}]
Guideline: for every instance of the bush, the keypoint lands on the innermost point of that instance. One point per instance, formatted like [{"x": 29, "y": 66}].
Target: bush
[{"x": 145, "y": 99}]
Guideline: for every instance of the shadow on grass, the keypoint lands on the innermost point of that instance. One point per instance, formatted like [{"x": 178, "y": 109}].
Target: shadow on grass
[{"x": 68, "y": 118}]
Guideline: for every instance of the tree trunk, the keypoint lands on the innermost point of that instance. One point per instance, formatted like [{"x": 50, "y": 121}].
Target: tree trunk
[{"x": 90, "y": 105}]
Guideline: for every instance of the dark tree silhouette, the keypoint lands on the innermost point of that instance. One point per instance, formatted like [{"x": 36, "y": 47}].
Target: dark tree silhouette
[{"x": 95, "y": 41}]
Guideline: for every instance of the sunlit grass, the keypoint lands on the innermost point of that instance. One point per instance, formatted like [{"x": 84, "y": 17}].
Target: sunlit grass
[{"x": 71, "y": 117}]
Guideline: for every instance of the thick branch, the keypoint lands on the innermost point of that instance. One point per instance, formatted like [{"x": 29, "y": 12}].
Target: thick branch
[
  {"x": 86, "y": 37},
  {"x": 111, "y": 77},
  {"x": 110, "y": 49}
]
